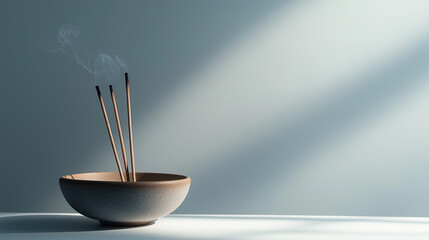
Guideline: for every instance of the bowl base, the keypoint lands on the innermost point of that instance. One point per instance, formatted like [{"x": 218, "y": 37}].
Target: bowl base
[{"x": 126, "y": 224}]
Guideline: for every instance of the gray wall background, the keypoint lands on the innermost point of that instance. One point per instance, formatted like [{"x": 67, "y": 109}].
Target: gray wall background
[{"x": 272, "y": 107}]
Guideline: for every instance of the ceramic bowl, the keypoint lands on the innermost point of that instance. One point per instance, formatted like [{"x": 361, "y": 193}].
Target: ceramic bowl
[{"x": 102, "y": 196}]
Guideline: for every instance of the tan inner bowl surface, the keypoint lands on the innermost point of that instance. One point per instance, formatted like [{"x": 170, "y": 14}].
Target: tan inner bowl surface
[{"x": 114, "y": 177}]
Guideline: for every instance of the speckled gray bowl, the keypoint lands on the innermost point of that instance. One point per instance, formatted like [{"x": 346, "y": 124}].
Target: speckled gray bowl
[{"x": 102, "y": 196}]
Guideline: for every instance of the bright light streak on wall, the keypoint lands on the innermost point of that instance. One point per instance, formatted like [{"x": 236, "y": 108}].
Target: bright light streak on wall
[{"x": 276, "y": 74}]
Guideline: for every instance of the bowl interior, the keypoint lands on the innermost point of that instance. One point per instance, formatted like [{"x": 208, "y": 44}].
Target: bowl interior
[{"x": 114, "y": 177}]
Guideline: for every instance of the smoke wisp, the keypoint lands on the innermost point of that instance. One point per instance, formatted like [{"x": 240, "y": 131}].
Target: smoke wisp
[{"x": 106, "y": 66}]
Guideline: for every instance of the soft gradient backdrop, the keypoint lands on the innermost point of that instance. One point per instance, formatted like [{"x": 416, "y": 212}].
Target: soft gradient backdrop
[{"x": 272, "y": 107}]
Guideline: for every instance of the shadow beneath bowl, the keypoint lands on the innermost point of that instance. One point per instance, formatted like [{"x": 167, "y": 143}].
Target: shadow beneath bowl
[{"x": 44, "y": 223}]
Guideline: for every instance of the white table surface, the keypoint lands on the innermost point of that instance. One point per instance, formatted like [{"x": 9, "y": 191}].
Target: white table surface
[{"x": 74, "y": 226}]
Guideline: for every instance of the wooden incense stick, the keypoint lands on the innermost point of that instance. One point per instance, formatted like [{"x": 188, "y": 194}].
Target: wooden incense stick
[
  {"x": 121, "y": 138},
  {"x": 130, "y": 128},
  {"x": 106, "y": 120}
]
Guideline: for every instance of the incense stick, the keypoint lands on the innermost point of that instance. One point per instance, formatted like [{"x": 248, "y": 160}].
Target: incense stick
[
  {"x": 109, "y": 130},
  {"x": 118, "y": 123},
  {"x": 130, "y": 128}
]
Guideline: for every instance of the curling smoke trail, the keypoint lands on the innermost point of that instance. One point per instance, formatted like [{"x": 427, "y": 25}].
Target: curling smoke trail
[{"x": 106, "y": 66}]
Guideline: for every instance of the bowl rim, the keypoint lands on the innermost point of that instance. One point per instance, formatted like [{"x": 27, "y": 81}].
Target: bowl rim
[{"x": 183, "y": 180}]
